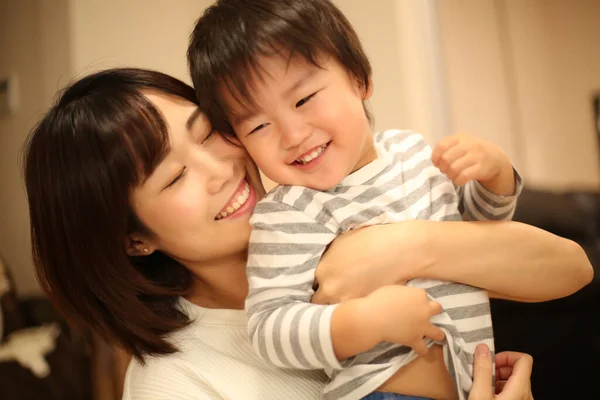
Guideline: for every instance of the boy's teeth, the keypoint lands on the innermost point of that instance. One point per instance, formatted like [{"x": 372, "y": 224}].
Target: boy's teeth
[
  {"x": 314, "y": 154},
  {"x": 236, "y": 203}
]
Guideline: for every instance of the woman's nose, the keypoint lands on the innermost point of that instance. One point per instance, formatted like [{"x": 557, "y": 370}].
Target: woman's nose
[{"x": 220, "y": 171}]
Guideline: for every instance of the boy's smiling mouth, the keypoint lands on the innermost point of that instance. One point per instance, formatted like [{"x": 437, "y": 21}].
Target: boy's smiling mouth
[{"x": 311, "y": 155}]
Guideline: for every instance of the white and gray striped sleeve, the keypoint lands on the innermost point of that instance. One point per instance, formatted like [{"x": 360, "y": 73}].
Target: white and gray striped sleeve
[
  {"x": 479, "y": 204},
  {"x": 284, "y": 327}
]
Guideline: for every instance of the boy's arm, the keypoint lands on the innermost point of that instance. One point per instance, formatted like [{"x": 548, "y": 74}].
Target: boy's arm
[
  {"x": 287, "y": 331},
  {"x": 485, "y": 180},
  {"x": 284, "y": 329},
  {"x": 478, "y": 203}
]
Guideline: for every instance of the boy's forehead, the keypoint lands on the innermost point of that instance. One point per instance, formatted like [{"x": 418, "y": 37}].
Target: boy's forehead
[{"x": 281, "y": 72}]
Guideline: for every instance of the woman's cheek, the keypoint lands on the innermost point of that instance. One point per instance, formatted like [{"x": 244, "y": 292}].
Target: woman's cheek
[{"x": 191, "y": 203}]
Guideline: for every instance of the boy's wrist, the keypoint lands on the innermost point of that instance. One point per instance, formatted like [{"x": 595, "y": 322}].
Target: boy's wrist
[
  {"x": 352, "y": 328},
  {"x": 502, "y": 184}
]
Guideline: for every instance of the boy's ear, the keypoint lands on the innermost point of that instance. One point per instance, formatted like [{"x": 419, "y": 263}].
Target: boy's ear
[
  {"x": 137, "y": 244},
  {"x": 368, "y": 91}
]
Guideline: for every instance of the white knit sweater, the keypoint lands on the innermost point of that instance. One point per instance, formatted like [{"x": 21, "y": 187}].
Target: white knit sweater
[{"x": 216, "y": 361}]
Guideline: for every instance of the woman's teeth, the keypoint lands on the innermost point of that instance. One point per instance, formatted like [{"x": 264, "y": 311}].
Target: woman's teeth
[
  {"x": 312, "y": 155},
  {"x": 235, "y": 203}
]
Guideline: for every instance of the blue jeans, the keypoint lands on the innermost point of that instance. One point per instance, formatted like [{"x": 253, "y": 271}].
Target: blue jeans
[{"x": 391, "y": 396}]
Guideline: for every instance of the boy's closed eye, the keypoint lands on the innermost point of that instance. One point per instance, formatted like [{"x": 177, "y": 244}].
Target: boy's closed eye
[
  {"x": 305, "y": 100},
  {"x": 258, "y": 128},
  {"x": 298, "y": 104}
]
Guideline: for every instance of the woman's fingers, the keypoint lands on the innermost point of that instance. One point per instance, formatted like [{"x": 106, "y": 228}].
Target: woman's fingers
[
  {"x": 510, "y": 358},
  {"x": 482, "y": 374},
  {"x": 518, "y": 385},
  {"x": 503, "y": 373},
  {"x": 500, "y": 386}
]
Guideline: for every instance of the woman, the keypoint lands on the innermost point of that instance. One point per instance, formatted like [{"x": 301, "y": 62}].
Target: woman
[{"x": 127, "y": 185}]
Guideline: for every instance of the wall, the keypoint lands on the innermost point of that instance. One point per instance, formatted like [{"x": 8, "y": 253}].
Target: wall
[
  {"x": 30, "y": 34},
  {"x": 47, "y": 44},
  {"x": 522, "y": 74},
  {"x": 401, "y": 40},
  {"x": 386, "y": 104},
  {"x": 138, "y": 33}
]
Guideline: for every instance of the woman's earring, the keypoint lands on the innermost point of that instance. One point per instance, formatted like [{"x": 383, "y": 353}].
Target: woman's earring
[{"x": 145, "y": 249}]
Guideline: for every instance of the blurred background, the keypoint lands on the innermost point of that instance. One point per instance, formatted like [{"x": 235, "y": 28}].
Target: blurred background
[{"x": 521, "y": 73}]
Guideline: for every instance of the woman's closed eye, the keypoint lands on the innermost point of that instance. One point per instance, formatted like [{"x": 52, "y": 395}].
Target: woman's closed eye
[
  {"x": 205, "y": 138},
  {"x": 177, "y": 178}
]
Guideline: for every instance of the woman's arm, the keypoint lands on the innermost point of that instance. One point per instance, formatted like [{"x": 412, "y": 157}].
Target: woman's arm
[{"x": 510, "y": 259}]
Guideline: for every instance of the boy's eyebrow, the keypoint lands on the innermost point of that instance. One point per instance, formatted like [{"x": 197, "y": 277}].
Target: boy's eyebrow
[
  {"x": 249, "y": 112},
  {"x": 239, "y": 117},
  {"x": 301, "y": 81},
  {"x": 192, "y": 118}
]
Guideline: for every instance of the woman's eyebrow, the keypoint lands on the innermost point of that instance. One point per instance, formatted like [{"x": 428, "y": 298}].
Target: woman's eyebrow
[{"x": 193, "y": 117}]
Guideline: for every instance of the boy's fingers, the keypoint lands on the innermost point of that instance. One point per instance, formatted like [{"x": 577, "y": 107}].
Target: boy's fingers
[
  {"x": 454, "y": 153},
  {"x": 419, "y": 347},
  {"x": 435, "y": 308},
  {"x": 436, "y": 333},
  {"x": 441, "y": 148}
]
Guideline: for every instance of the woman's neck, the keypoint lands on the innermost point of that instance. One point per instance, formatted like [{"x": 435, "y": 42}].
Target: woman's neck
[{"x": 221, "y": 285}]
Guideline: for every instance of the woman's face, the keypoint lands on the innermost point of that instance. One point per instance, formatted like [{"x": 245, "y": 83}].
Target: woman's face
[{"x": 198, "y": 201}]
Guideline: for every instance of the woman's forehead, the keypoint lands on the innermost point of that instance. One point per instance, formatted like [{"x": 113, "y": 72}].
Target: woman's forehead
[{"x": 170, "y": 106}]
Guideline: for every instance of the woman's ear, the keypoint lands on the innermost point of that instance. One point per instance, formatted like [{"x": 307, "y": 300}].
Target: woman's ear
[{"x": 137, "y": 244}]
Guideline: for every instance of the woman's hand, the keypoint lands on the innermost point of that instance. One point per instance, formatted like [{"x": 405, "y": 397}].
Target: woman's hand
[
  {"x": 362, "y": 260},
  {"x": 513, "y": 375}
]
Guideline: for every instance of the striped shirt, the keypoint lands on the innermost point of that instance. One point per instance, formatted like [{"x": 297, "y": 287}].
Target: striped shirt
[{"x": 292, "y": 226}]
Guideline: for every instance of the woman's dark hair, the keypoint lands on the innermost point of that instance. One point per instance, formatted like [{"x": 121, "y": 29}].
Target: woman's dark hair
[
  {"x": 231, "y": 35},
  {"x": 99, "y": 141}
]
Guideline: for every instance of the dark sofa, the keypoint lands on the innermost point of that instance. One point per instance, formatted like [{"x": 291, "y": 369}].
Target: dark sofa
[
  {"x": 70, "y": 362},
  {"x": 563, "y": 335}
]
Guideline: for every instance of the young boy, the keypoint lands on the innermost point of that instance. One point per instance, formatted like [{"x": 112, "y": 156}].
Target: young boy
[{"x": 288, "y": 79}]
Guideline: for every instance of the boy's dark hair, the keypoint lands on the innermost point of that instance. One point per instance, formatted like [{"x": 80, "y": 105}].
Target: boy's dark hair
[
  {"x": 231, "y": 35},
  {"x": 100, "y": 140}
]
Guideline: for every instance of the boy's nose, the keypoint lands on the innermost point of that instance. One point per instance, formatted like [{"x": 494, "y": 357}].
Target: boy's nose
[{"x": 293, "y": 135}]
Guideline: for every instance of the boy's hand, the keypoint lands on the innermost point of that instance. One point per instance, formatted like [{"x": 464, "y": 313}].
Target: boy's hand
[
  {"x": 402, "y": 315},
  {"x": 464, "y": 158}
]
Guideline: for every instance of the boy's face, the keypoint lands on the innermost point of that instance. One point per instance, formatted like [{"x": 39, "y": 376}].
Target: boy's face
[{"x": 308, "y": 126}]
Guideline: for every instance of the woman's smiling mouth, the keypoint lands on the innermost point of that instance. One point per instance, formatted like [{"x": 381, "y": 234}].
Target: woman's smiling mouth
[{"x": 238, "y": 199}]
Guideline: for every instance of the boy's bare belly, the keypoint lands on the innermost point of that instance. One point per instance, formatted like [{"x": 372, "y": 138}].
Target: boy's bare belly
[{"x": 426, "y": 376}]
